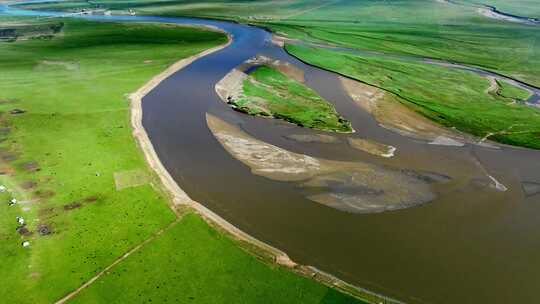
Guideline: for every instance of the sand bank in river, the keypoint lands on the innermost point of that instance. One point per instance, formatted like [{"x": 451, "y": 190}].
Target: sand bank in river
[
  {"x": 393, "y": 115},
  {"x": 354, "y": 187}
]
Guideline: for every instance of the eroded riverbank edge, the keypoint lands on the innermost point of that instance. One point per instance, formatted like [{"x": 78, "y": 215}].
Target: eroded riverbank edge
[{"x": 179, "y": 199}]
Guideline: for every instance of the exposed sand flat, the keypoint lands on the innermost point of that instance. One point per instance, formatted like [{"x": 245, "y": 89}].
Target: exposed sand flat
[
  {"x": 230, "y": 87},
  {"x": 372, "y": 147},
  {"x": 354, "y": 187},
  {"x": 445, "y": 141},
  {"x": 263, "y": 159},
  {"x": 393, "y": 115}
]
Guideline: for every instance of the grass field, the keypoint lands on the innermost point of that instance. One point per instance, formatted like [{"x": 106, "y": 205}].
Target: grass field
[
  {"x": 411, "y": 28},
  {"x": 60, "y": 158},
  {"x": 268, "y": 92},
  {"x": 511, "y": 92},
  {"x": 423, "y": 88},
  {"x": 194, "y": 275},
  {"x": 408, "y": 27}
]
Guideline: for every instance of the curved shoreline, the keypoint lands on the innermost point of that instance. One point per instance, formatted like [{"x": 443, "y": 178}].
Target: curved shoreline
[{"x": 179, "y": 198}]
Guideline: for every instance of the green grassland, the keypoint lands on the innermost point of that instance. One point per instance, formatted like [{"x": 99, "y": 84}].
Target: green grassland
[
  {"x": 509, "y": 91},
  {"x": 60, "y": 157},
  {"x": 407, "y": 27},
  {"x": 452, "y": 98},
  {"x": 423, "y": 28},
  {"x": 268, "y": 92},
  {"x": 412, "y": 28},
  {"x": 210, "y": 270}
]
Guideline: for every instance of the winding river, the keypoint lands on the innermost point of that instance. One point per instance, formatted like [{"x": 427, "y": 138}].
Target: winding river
[{"x": 471, "y": 244}]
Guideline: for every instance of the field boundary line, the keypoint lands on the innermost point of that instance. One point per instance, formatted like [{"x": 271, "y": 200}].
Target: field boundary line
[{"x": 117, "y": 261}]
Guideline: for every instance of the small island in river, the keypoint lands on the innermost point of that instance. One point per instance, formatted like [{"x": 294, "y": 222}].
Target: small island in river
[{"x": 270, "y": 88}]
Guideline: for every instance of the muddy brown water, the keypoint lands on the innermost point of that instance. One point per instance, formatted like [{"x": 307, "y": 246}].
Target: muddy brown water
[{"x": 472, "y": 244}]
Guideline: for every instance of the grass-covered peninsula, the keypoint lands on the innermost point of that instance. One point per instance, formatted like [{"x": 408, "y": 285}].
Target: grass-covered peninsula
[
  {"x": 268, "y": 92},
  {"x": 85, "y": 192},
  {"x": 433, "y": 92}
]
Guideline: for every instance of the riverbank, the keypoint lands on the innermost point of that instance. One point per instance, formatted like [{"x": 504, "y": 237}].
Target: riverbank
[
  {"x": 179, "y": 198},
  {"x": 90, "y": 203},
  {"x": 422, "y": 88}
]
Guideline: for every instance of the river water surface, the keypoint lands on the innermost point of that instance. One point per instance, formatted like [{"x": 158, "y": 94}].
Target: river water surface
[{"x": 472, "y": 244}]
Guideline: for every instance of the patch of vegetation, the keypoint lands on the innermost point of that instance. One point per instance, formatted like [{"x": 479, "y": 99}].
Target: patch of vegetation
[
  {"x": 453, "y": 98},
  {"x": 211, "y": 269},
  {"x": 509, "y": 91},
  {"x": 11, "y": 31},
  {"x": 59, "y": 154},
  {"x": 74, "y": 134},
  {"x": 268, "y": 92},
  {"x": 406, "y": 27}
]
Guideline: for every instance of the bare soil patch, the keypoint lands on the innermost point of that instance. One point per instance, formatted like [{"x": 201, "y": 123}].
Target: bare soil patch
[
  {"x": 17, "y": 111},
  {"x": 44, "y": 229},
  {"x": 26, "y": 185},
  {"x": 8, "y": 156},
  {"x": 90, "y": 199},
  {"x": 131, "y": 178},
  {"x": 44, "y": 194},
  {"x": 393, "y": 115},
  {"x": 371, "y": 147},
  {"x": 23, "y": 230},
  {"x": 73, "y": 205},
  {"x": 6, "y": 170},
  {"x": 30, "y": 166}
]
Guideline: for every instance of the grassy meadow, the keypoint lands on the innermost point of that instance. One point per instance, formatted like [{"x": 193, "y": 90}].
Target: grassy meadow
[
  {"x": 467, "y": 106},
  {"x": 268, "y": 92},
  {"x": 86, "y": 194},
  {"x": 511, "y": 92},
  {"x": 524, "y": 8},
  {"x": 428, "y": 28},
  {"x": 454, "y": 32}
]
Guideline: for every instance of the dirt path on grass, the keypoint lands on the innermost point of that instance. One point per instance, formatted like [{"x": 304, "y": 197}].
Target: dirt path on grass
[{"x": 116, "y": 262}]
